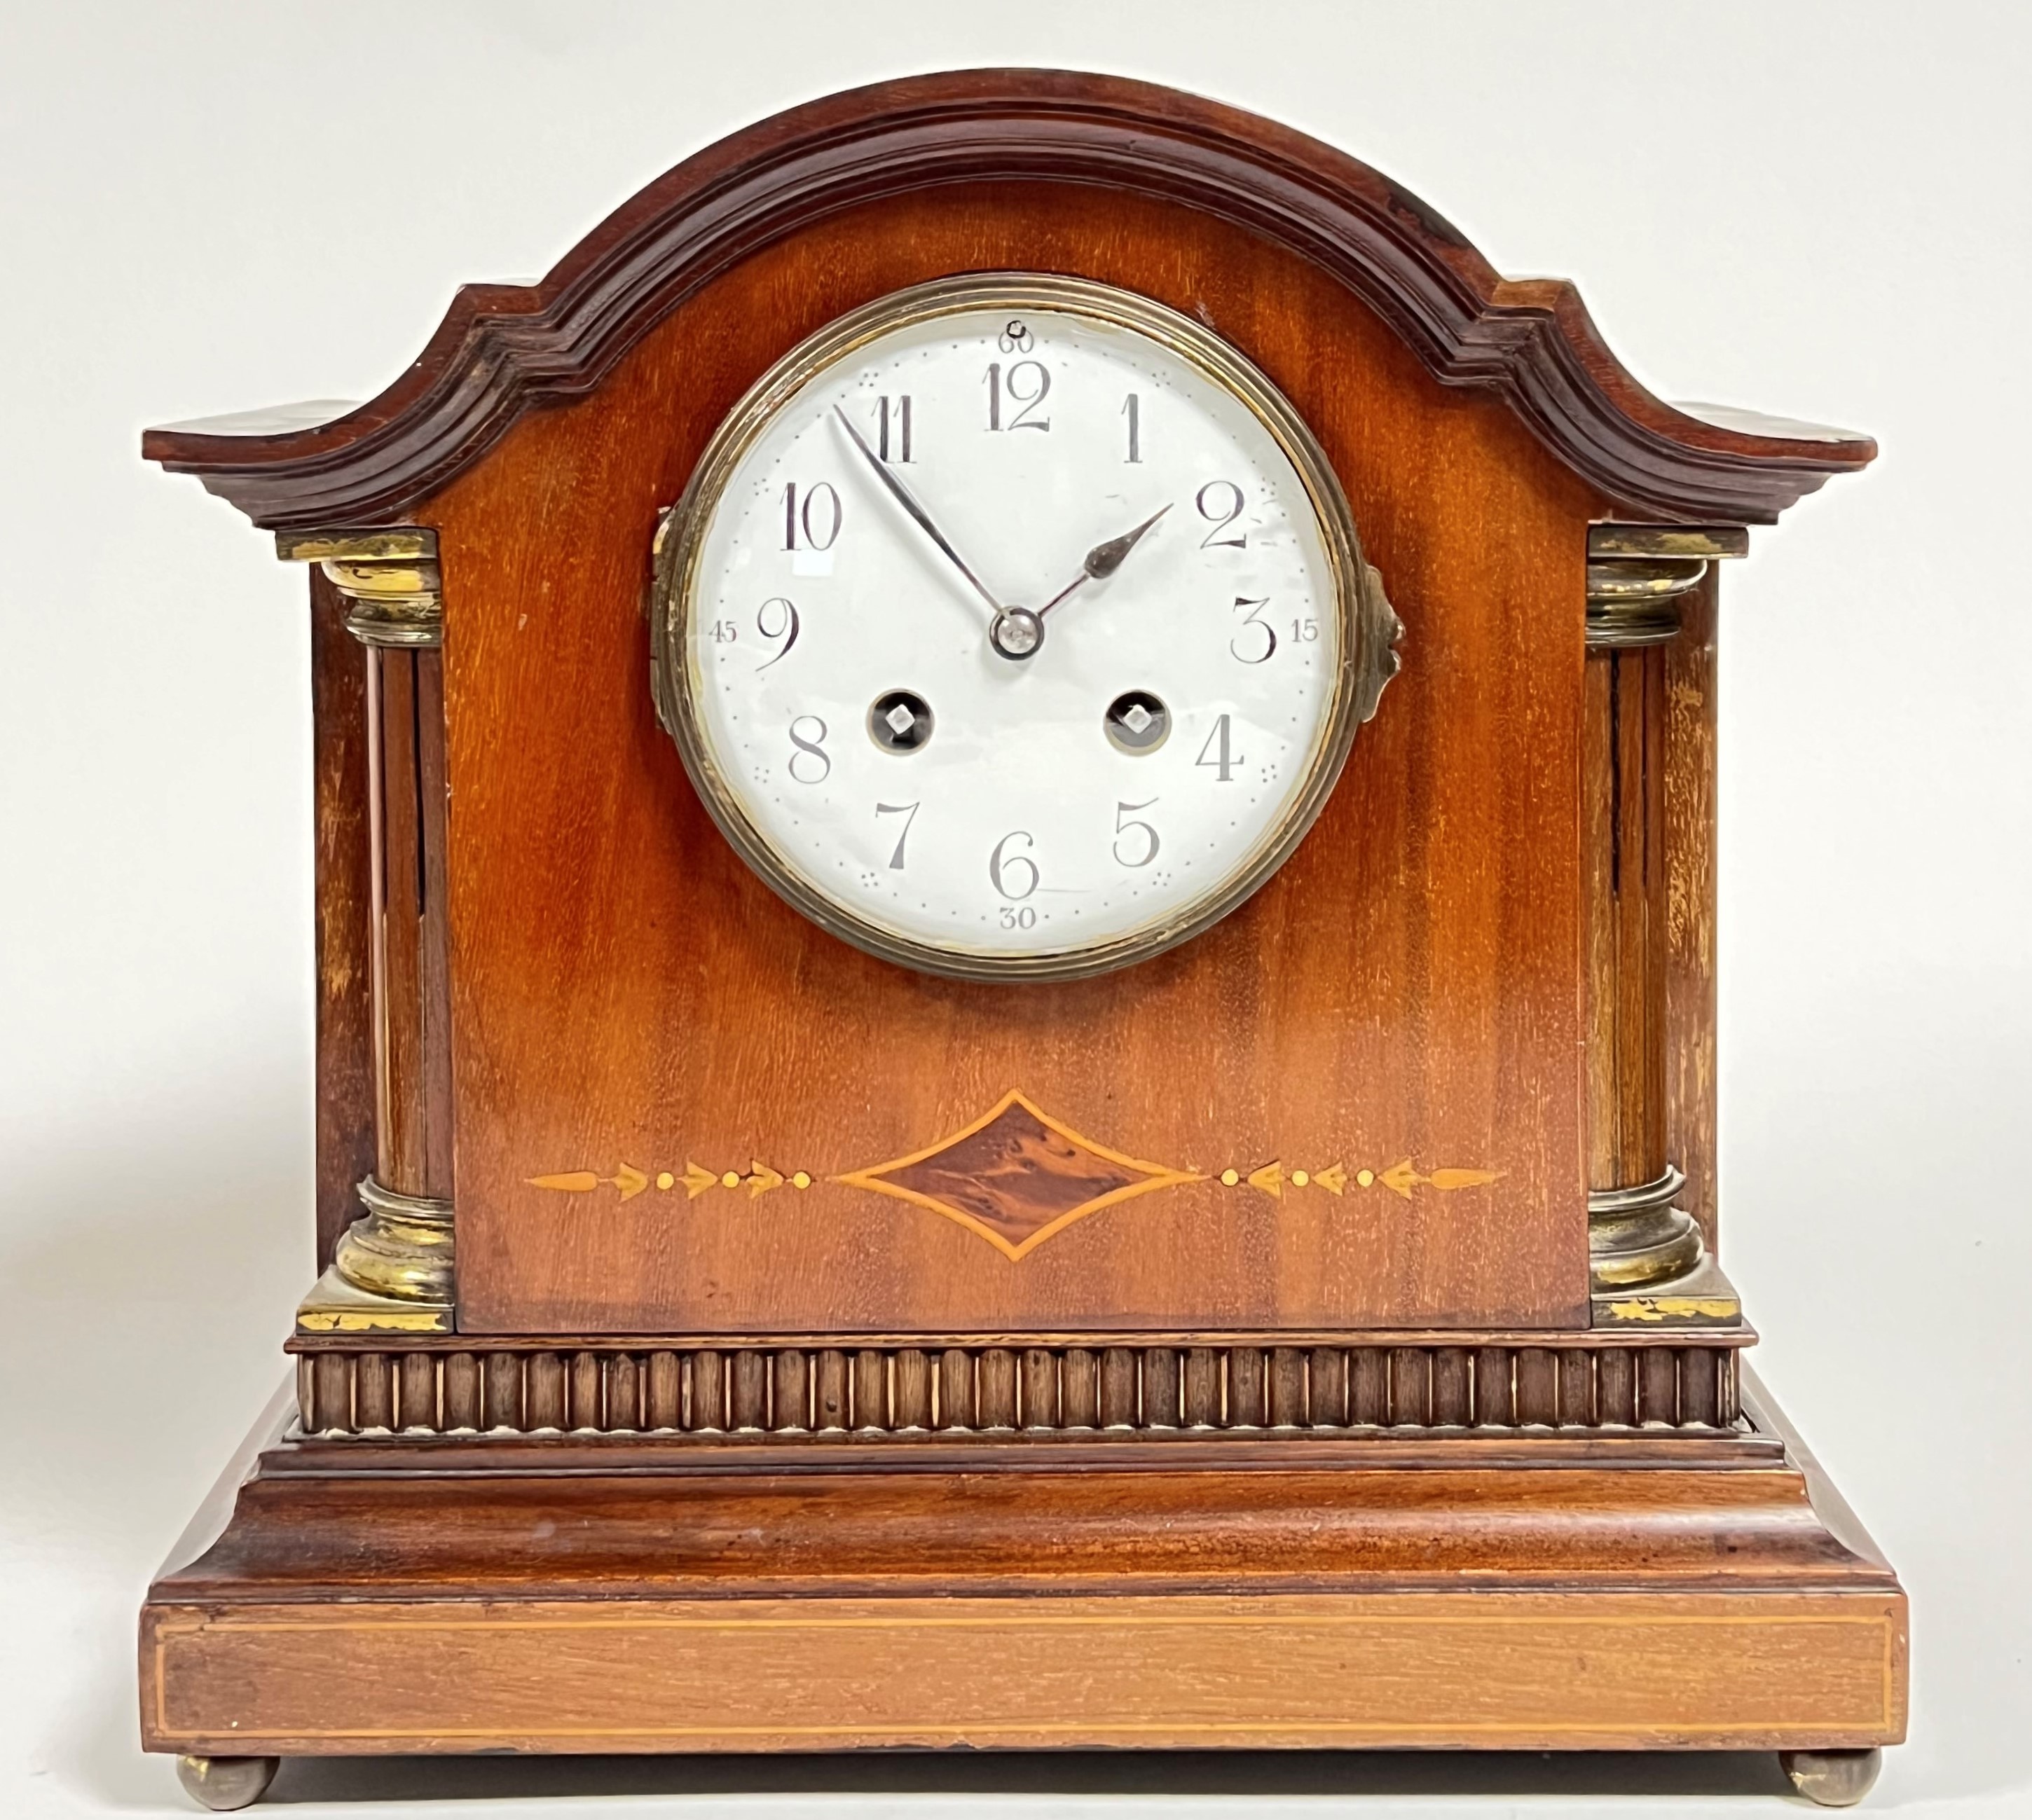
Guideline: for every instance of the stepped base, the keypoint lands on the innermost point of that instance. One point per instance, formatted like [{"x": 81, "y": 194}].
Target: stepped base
[{"x": 1664, "y": 1590}]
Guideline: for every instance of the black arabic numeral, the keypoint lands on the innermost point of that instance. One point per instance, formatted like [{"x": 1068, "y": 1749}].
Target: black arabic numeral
[
  {"x": 1123, "y": 826},
  {"x": 1262, "y": 625},
  {"x": 787, "y": 630},
  {"x": 899, "y": 410},
  {"x": 797, "y": 516},
  {"x": 1208, "y": 499},
  {"x": 810, "y": 745},
  {"x": 909, "y": 812},
  {"x": 1020, "y": 392},
  {"x": 1223, "y": 761},
  {"x": 1132, "y": 409},
  {"x": 1001, "y": 862}
]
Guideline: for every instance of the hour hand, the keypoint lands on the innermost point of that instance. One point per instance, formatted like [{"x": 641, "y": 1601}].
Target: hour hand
[
  {"x": 908, "y": 502},
  {"x": 1103, "y": 559}
]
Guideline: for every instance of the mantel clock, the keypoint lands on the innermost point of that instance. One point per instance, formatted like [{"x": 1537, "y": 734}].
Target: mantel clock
[{"x": 1015, "y": 880}]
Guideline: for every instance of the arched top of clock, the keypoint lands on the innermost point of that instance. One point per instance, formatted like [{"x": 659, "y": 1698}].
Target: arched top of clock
[{"x": 503, "y": 349}]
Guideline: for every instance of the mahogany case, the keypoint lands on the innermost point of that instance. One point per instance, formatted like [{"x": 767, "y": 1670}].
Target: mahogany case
[{"x": 1314, "y": 1244}]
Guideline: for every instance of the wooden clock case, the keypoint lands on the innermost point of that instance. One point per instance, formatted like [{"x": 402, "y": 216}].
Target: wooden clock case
[{"x": 1310, "y": 1336}]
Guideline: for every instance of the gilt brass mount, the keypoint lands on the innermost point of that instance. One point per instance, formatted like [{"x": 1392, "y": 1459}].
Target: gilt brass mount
[
  {"x": 390, "y": 577},
  {"x": 401, "y": 1248},
  {"x": 1636, "y": 1235},
  {"x": 1637, "y": 575},
  {"x": 1633, "y": 603}
]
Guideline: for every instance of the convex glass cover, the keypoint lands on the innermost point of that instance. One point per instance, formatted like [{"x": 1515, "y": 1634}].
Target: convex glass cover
[{"x": 1015, "y": 626}]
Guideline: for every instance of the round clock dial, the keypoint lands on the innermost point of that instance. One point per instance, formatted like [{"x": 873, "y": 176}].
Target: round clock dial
[{"x": 1015, "y": 626}]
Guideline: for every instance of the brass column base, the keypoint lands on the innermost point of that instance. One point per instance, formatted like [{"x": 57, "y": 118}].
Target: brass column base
[
  {"x": 1636, "y": 1236},
  {"x": 401, "y": 1249}
]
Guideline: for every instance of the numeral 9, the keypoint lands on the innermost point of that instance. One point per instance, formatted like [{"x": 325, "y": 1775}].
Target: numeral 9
[{"x": 786, "y": 628}]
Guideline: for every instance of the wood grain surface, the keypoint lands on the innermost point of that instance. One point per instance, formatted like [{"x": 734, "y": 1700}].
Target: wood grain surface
[
  {"x": 503, "y": 350},
  {"x": 1623, "y": 795},
  {"x": 1603, "y": 1517},
  {"x": 1015, "y": 1176},
  {"x": 434, "y": 1596},
  {"x": 344, "y": 890},
  {"x": 1458, "y": 1670},
  {"x": 1691, "y": 842},
  {"x": 1406, "y": 990}
]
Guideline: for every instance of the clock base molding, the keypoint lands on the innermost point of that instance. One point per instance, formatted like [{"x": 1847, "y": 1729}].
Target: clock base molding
[
  {"x": 423, "y": 1596},
  {"x": 1534, "y": 1385}
]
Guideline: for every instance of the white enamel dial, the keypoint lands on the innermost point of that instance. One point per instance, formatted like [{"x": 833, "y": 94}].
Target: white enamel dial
[{"x": 1007, "y": 628}]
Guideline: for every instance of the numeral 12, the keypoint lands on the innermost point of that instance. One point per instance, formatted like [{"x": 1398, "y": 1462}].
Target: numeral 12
[{"x": 1030, "y": 393}]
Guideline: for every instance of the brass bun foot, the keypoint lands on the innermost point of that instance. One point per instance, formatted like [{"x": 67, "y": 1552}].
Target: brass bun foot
[
  {"x": 225, "y": 1783},
  {"x": 1832, "y": 1778},
  {"x": 402, "y": 1249},
  {"x": 1636, "y": 1236}
]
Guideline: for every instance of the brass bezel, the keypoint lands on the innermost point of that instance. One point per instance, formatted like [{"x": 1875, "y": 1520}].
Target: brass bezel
[{"x": 1368, "y": 629}]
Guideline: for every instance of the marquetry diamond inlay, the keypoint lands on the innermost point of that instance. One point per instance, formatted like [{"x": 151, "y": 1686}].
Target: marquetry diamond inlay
[{"x": 1016, "y": 1176}]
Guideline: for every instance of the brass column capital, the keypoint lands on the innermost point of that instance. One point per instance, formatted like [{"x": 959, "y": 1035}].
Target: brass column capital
[
  {"x": 1638, "y": 574},
  {"x": 391, "y": 576}
]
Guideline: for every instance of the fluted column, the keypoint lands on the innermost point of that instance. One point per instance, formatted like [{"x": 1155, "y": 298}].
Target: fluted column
[
  {"x": 402, "y": 1248},
  {"x": 1635, "y": 1234}
]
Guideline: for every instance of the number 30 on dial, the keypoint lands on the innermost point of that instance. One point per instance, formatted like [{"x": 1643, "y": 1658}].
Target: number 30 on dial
[{"x": 1015, "y": 627}]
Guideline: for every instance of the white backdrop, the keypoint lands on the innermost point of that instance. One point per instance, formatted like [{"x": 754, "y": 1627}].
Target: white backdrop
[{"x": 1813, "y": 209}]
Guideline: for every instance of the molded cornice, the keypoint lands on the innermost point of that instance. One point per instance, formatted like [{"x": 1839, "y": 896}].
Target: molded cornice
[{"x": 504, "y": 349}]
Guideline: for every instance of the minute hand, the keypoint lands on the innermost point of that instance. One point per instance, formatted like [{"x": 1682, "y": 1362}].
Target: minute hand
[{"x": 908, "y": 500}]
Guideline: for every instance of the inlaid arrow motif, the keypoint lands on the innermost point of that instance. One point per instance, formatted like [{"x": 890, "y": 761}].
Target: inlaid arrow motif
[
  {"x": 630, "y": 1181},
  {"x": 1270, "y": 1179},
  {"x": 1400, "y": 1179}
]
